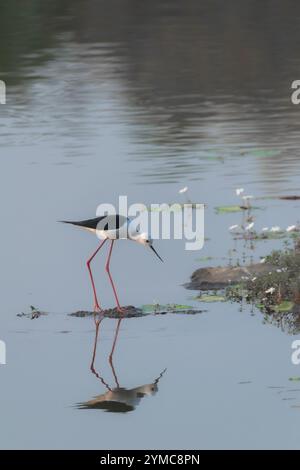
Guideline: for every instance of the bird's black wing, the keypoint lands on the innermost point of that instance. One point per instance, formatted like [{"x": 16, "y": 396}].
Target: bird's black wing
[{"x": 108, "y": 222}]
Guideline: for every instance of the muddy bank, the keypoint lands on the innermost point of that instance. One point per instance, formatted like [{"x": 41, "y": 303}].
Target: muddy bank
[
  {"x": 273, "y": 287},
  {"x": 215, "y": 278}
]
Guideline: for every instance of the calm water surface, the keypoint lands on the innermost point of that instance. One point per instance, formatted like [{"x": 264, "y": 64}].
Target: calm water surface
[{"x": 123, "y": 98}]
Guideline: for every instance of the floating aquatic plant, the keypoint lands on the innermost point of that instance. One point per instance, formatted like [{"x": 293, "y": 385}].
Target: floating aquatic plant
[
  {"x": 211, "y": 298},
  {"x": 233, "y": 208},
  {"x": 167, "y": 308}
]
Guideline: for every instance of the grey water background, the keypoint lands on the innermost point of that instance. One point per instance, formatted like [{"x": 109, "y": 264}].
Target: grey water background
[{"x": 124, "y": 97}]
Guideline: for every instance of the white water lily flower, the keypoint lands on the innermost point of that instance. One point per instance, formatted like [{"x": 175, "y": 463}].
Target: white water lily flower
[
  {"x": 183, "y": 190},
  {"x": 250, "y": 226},
  {"x": 239, "y": 191},
  {"x": 265, "y": 229},
  {"x": 275, "y": 229},
  {"x": 291, "y": 228},
  {"x": 279, "y": 270},
  {"x": 253, "y": 279},
  {"x": 271, "y": 290},
  {"x": 232, "y": 227},
  {"x": 263, "y": 260}
]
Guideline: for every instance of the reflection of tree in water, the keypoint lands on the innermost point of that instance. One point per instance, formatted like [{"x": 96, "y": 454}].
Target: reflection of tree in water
[
  {"x": 117, "y": 399},
  {"x": 186, "y": 63},
  {"x": 27, "y": 31},
  {"x": 287, "y": 322},
  {"x": 213, "y": 73},
  {"x": 176, "y": 53}
]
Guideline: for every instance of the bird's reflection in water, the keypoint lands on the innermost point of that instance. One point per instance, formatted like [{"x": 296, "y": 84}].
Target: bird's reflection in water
[{"x": 117, "y": 399}]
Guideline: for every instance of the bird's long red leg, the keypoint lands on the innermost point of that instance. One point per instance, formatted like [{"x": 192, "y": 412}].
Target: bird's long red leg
[
  {"x": 96, "y": 303},
  {"x": 119, "y": 308},
  {"x": 92, "y": 366},
  {"x": 112, "y": 352}
]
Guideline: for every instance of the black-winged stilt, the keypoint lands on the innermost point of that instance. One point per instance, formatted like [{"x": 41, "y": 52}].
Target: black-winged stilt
[{"x": 112, "y": 227}]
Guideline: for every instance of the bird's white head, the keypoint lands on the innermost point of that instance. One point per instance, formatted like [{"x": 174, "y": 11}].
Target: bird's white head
[{"x": 143, "y": 238}]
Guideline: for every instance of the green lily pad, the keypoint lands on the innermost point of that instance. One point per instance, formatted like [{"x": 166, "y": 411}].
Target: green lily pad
[
  {"x": 294, "y": 379},
  {"x": 211, "y": 298},
  {"x": 229, "y": 209},
  {"x": 152, "y": 308},
  {"x": 233, "y": 209},
  {"x": 205, "y": 258}
]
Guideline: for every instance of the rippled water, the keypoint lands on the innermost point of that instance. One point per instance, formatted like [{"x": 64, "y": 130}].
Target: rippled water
[{"x": 135, "y": 99}]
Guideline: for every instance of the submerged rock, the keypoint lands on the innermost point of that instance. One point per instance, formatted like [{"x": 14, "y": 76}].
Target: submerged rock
[
  {"x": 149, "y": 309},
  {"x": 129, "y": 312},
  {"x": 290, "y": 198},
  {"x": 215, "y": 278}
]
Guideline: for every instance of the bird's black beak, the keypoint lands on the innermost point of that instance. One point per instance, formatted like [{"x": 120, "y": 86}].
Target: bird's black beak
[{"x": 153, "y": 249}]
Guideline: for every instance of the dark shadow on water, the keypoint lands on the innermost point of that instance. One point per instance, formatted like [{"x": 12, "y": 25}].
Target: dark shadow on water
[{"x": 116, "y": 399}]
